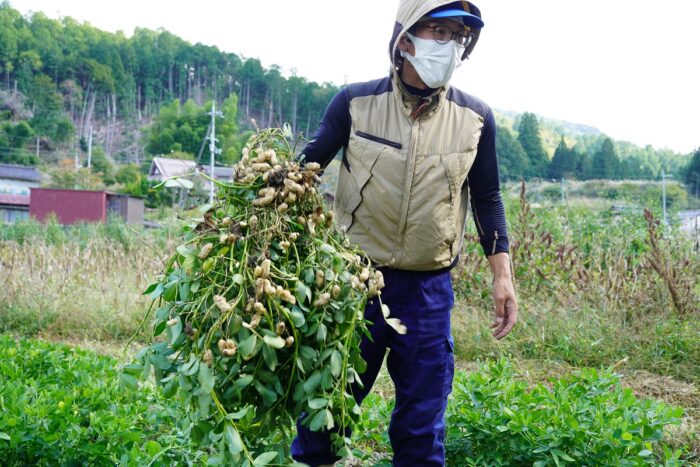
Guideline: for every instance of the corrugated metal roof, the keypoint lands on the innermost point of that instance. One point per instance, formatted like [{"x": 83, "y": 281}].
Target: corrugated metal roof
[
  {"x": 19, "y": 172},
  {"x": 225, "y": 173},
  {"x": 163, "y": 168},
  {"x": 14, "y": 200}
]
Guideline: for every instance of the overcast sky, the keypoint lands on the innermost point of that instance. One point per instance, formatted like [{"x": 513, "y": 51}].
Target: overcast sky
[{"x": 631, "y": 68}]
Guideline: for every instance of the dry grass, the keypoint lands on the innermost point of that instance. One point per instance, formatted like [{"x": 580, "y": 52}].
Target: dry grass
[{"x": 88, "y": 292}]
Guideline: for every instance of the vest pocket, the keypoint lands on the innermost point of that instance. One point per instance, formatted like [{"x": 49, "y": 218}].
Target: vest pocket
[
  {"x": 378, "y": 139},
  {"x": 457, "y": 168},
  {"x": 361, "y": 156}
]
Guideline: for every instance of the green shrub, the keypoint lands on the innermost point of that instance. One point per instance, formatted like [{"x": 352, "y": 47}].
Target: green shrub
[
  {"x": 65, "y": 406},
  {"x": 584, "y": 419}
]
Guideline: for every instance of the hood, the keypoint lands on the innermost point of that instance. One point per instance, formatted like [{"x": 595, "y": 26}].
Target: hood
[{"x": 410, "y": 11}]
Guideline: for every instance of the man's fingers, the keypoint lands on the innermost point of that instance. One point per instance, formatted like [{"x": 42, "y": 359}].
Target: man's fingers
[
  {"x": 500, "y": 312},
  {"x": 507, "y": 324},
  {"x": 505, "y": 330}
]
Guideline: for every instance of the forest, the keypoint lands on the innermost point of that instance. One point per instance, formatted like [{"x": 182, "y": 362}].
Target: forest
[{"x": 68, "y": 89}]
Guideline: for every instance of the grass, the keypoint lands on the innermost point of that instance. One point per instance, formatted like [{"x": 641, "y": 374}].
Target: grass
[{"x": 83, "y": 283}]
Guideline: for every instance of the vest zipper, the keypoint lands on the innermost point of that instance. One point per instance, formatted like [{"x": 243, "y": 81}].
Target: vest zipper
[{"x": 408, "y": 182}]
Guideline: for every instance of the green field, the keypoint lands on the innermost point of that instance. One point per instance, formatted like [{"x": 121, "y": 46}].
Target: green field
[{"x": 603, "y": 367}]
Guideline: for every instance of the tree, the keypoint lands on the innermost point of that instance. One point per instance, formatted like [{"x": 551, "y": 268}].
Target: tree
[
  {"x": 606, "y": 164},
  {"x": 13, "y": 139},
  {"x": 512, "y": 160},
  {"x": 692, "y": 173},
  {"x": 529, "y": 138},
  {"x": 563, "y": 162},
  {"x": 49, "y": 119},
  {"x": 184, "y": 129}
]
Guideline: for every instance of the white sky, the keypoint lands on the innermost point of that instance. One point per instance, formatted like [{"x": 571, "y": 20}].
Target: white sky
[{"x": 628, "y": 67}]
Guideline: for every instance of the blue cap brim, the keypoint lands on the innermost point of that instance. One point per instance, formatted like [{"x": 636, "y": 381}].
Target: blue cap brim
[{"x": 467, "y": 18}]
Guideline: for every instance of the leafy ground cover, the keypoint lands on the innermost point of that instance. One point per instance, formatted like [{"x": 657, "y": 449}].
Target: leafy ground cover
[
  {"x": 589, "y": 293},
  {"x": 65, "y": 405},
  {"x": 61, "y": 405}
]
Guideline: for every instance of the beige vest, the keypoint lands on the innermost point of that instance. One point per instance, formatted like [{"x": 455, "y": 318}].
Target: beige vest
[{"x": 402, "y": 200}]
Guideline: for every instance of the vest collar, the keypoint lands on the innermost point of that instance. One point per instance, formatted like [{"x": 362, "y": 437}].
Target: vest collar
[{"x": 416, "y": 107}]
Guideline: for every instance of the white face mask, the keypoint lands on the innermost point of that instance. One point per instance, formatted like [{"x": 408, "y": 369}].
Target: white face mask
[{"x": 434, "y": 62}]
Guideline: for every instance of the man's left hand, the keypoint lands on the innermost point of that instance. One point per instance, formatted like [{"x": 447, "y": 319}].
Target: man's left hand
[{"x": 506, "y": 307}]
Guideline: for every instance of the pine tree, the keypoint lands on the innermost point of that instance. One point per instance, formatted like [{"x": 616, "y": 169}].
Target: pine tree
[
  {"x": 529, "y": 138},
  {"x": 512, "y": 160},
  {"x": 606, "y": 164},
  {"x": 692, "y": 173},
  {"x": 564, "y": 161}
]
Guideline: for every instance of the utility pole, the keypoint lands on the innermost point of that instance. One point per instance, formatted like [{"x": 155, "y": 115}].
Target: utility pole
[
  {"x": 38, "y": 143},
  {"x": 562, "y": 190},
  {"x": 212, "y": 149},
  {"x": 663, "y": 188},
  {"x": 89, "y": 159}
]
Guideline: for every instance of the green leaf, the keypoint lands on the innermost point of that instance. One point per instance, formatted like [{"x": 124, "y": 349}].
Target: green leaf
[
  {"x": 159, "y": 328},
  {"x": 233, "y": 439},
  {"x": 627, "y": 436},
  {"x": 321, "y": 333},
  {"x": 563, "y": 455},
  {"x": 185, "y": 291},
  {"x": 242, "y": 382},
  {"x": 318, "y": 421},
  {"x": 302, "y": 292},
  {"x": 159, "y": 361},
  {"x": 269, "y": 396},
  {"x": 151, "y": 288},
  {"x": 170, "y": 388},
  {"x": 175, "y": 330},
  {"x": 185, "y": 250},
  {"x": 270, "y": 357},
  {"x": 265, "y": 458},
  {"x": 309, "y": 276},
  {"x": 4, "y": 436},
  {"x": 179, "y": 183},
  {"x": 238, "y": 415},
  {"x": 645, "y": 453},
  {"x": 329, "y": 420},
  {"x": 156, "y": 292},
  {"x": 191, "y": 367},
  {"x": 276, "y": 342},
  {"x": 555, "y": 457},
  {"x": 133, "y": 368},
  {"x": 315, "y": 404},
  {"x": 312, "y": 383},
  {"x": 128, "y": 381},
  {"x": 335, "y": 363},
  {"x": 247, "y": 346},
  {"x": 326, "y": 248},
  {"x": 206, "y": 379},
  {"x": 297, "y": 317},
  {"x": 152, "y": 448}
]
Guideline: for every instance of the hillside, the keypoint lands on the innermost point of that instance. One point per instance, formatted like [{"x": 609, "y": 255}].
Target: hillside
[{"x": 69, "y": 91}]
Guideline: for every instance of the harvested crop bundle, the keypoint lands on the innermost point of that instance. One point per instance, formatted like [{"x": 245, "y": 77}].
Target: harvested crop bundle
[{"x": 262, "y": 306}]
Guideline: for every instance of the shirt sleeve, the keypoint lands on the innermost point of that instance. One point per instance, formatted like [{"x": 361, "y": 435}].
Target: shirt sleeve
[
  {"x": 332, "y": 134},
  {"x": 485, "y": 192}
]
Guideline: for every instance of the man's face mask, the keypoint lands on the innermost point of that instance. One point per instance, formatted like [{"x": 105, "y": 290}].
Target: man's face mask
[{"x": 434, "y": 62}]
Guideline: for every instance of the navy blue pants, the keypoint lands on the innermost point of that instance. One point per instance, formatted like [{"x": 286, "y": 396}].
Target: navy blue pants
[{"x": 420, "y": 363}]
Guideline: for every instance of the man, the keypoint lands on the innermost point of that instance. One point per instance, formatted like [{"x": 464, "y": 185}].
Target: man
[{"x": 414, "y": 150}]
